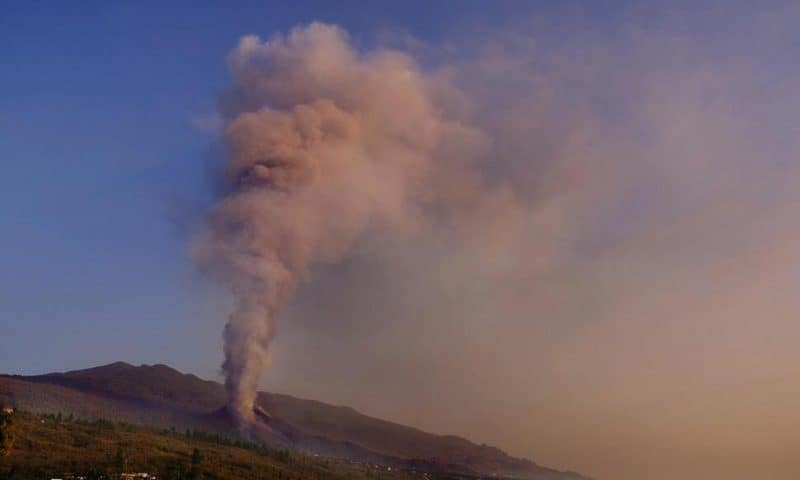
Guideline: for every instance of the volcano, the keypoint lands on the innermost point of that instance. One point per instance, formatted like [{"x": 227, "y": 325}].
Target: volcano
[{"x": 161, "y": 396}]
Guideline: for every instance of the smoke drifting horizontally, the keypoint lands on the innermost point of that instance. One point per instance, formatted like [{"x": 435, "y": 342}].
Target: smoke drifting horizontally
[
  {"x": 595, "y": 226},
  {"x": 324, "y": 146}
]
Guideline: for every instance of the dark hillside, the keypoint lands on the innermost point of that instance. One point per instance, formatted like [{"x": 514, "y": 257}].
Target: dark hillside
[
  {"x": 160, "y": 396},
  {"x": 155, "y": 384}
]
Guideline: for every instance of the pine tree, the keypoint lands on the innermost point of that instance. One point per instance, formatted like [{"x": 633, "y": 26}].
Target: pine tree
[
  {"x": 6, "y": 433},
  {"x": 120, "y": 460},
  {"x": 195, "y": 473}
]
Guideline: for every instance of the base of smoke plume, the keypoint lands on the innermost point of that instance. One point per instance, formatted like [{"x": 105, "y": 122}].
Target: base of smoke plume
[{"x": 257, "y": 427}]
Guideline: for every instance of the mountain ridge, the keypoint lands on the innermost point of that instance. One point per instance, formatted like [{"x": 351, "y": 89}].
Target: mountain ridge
[{"x": 162, "y": 396}]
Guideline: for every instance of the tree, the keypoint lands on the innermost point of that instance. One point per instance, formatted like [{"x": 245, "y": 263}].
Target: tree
[
  {"x": 120, "y": 460},
  {"x": 195, "y": 473},
  {"x": 6, "y": 432},
  {"x": 94, "y": 474},
  {"x": 12, "y": 474},
  {"x": 176, "y": 471}
]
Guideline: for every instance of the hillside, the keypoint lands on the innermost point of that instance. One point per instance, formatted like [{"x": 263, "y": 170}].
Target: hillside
[
  {"x": 55, "y": 446},
  {"x": 160, "y": 396}
]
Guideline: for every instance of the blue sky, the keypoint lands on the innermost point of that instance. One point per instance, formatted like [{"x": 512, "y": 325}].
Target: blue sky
[
  {"x": 102, "y": 164},
  {"x": 654, "y": 147},
  {"x": 101, "y": 158}
]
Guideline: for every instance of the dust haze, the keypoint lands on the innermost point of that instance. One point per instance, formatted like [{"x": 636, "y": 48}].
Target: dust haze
[{"x": 582, "y": 249}]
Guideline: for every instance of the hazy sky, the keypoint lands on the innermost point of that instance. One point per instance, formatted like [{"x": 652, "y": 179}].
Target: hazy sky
[{"x": 624, "y": 304}]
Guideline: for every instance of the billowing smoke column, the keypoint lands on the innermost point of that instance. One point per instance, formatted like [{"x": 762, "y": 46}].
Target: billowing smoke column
[{"x": 324, "y": 145}]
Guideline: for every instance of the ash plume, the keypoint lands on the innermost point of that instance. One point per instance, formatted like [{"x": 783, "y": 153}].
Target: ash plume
[
  {"x": 577, "y": 221},
  {"x": 325, "y": 145}
]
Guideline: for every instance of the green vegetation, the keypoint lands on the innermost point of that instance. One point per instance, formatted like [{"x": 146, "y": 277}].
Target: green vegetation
[
  {"x": 52, "y": 446},
  {"x": 6, "y": 432},
  {"x": 160, "y": 396}
]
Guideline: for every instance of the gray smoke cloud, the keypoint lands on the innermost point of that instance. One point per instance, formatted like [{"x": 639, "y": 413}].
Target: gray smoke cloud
[{"x": 325, "y": 147}]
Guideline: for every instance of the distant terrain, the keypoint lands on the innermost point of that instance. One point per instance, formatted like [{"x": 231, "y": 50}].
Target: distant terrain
[{"x": 161, "y": 397}]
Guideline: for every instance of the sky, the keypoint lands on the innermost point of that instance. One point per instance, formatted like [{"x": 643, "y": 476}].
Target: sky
[{"x": 620, "y": 299}]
